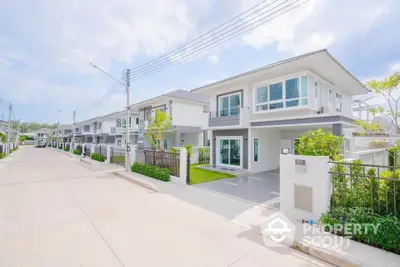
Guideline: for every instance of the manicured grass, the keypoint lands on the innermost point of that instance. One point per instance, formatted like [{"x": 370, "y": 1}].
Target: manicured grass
[
  {"x": 198, "y": 175},
  {"x": 117, "y": 159}
]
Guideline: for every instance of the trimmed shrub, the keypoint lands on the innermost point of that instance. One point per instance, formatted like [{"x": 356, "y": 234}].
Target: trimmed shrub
[
  {"x": 386, "y": 237},
  {"x": 77, "y": 152},
  {"x": 66, "y": 149},
  {"x": 3, "y": 155},
  {"x": 98, "y": 157},
  {"x": 152, "y": 171}
]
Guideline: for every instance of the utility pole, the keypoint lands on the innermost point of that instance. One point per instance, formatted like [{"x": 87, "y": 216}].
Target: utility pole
[
  {"x": 73, "y": 126},
  {"x": 9, "y": 127},
  {"x": 128, "y": 122},
  {"x": 19, "y": 123}
]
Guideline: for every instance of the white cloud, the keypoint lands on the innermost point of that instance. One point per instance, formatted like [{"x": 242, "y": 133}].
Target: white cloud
[
  {"x": 316, "y": 24},
  {"x": 214, "y": 59},
  {"x": 395, "y": 67}
]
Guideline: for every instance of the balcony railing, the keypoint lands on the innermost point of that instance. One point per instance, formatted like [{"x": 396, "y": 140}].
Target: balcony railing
[{"x": 238, "y": 117}]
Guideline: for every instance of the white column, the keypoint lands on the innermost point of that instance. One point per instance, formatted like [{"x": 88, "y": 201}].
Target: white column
[
  {"x": 183, "y": 165},
  {"x": 133, "y": 154},
  {"x": 83, "y": 149},
  {"x": 211, "y": 148},
  {"x": 92, "y": 151},
  {"x": 108, "y": 154}
]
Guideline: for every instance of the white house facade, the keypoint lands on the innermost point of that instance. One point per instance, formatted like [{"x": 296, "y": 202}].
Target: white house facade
[
  {"x": 254, "y": 115},
  {"x": 186, "y": 110}
]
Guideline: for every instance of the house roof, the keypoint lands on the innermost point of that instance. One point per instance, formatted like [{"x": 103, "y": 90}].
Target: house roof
[
  {"x": 283, "y": 62},
  {"x": 177, "y": 94}
]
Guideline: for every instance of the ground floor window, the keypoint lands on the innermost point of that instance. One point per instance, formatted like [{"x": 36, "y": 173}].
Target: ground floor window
[
  {"x": 229, "y": 151},
  {"x": 256, "y": 150}
]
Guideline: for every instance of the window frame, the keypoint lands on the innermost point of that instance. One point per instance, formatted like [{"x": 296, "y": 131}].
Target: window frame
[
  {"x": 284, "y": 100},
  {"x": 254, "y": 150},
  {"x": 338, "y": 100},
  {"x": 229, "y": 94}
]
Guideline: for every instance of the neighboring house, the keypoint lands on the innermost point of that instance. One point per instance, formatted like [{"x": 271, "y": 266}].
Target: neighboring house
[
  {"x": 254, "y": 115},
  {"x": 64, "y": 133},
  {"x": 186, "y": 110},
  {"x": 120, "y": 122},
  {"x": 3, "y": 127},
  {"x": 42, "y": 133}
]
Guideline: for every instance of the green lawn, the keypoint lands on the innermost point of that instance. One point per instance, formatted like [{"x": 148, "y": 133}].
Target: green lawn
[
  {"x": 117, "y": 159},
  {"x": 198, "y": 175}
]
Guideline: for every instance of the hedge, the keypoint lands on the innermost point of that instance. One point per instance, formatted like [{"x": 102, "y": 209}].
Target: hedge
[
  {"x": 388, "y": 232},
  {"x": 152, "y": 171},
  {"x": 98, "y": 157},
  {"x": 3, "y": 155},
  {"x": 66, "y": 149},
  {"x": 77, "y": 152}
]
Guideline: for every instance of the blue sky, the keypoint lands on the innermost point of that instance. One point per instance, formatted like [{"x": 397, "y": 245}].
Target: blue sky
[{"x": 46, "y": 47}]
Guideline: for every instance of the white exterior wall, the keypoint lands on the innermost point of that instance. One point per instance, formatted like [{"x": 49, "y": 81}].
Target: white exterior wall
[
  {"x": 268, "y": 150},
  {"x": 107, "y": 124},
  {"x": 187, "y": 114},
  {"x": 190, "y": 139}
]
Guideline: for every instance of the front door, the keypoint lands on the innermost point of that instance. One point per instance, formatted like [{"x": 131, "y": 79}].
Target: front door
[{"x": 229, "y": 151}]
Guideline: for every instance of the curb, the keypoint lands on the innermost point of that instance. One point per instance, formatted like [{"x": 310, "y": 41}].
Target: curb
[
  {"x": 130, "y": 178},
  {"x": 324, "y": 255}
]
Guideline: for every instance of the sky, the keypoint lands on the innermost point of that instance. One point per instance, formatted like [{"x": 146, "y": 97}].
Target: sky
[{"x": 46, "y": 47}]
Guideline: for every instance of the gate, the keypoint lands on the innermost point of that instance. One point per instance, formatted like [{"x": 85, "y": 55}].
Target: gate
[
  {"x": 169, "y": 160},
  {"x": 87, "y": 151},
  {"x": 117, "y": 156},
  {"x": 79, "y": 148}
]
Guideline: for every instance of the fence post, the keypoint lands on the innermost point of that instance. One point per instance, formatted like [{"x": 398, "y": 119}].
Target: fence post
[
  {"x": 133, "y": 154},
  {"x": 108, "y": 154},
  {"x": 183, "y": 164},
  {"x": 83, "y": 150},
  {"x": 92, "y": 151}
]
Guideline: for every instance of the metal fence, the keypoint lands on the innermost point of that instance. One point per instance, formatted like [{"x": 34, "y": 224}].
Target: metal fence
[
  {"x": 102, "y": 150},
  {"x": 79, "y": 148},
  {"x": 88, "y": 151},
  {"x": 376, "y": 187},
  {"x": 117, "y": 156},
  {"x": 169, "y": 160}
]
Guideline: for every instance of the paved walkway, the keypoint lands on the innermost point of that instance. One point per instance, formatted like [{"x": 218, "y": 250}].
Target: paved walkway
[{"x": 57, "y": 211}]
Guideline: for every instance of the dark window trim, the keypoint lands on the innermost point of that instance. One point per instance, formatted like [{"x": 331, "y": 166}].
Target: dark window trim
[{"x": 228, "y": 93}]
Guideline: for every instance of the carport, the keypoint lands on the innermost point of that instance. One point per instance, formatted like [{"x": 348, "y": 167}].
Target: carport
[{"x": 260, "y": 188}]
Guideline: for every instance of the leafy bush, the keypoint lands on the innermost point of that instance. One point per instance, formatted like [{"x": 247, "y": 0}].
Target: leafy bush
[
  {"x": 320, "y": 143},
  {"x": 3, "y": 155},
  {"x": 98, "y": 157},
  {"x": 189, "y": 149},
  {"x": 152, "y": 171},
  {"x": 60, "y": 147},
  {"x": 386, "y": 236},
  {"x": 66, "y": 149},
  {"x": 77, "y": 152}
]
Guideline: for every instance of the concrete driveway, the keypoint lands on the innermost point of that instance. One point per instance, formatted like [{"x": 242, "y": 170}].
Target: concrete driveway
[
  {"x": 55, "y": 211},
  {"x": 260, "y": 188}
]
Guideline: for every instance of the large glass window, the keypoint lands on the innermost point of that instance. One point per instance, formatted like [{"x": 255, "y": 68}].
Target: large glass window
[
  {"x": 229, "y": 152},
  {"x": 229, "y": 105},
  {"x": 255, "y": 150},
  {"x": 291, "y": 93},
  {"x": 339, "y": 102}
]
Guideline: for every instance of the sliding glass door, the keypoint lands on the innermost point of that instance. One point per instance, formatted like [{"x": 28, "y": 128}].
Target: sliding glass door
[
  {"x": 230, "y": 151},
  {"x": 229, "y": 104}
]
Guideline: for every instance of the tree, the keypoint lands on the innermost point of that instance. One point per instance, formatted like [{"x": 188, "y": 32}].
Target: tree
[
  {"x": 3, "y": 138},
  {"x": 388, "y": 89},
  {"x": 320, "y": 143},
  {"x": 158, "y": 128}
]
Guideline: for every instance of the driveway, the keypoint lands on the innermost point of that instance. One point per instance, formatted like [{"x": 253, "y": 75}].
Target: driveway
[
  {"x": 55, "y": 211},
  {"x": 260, "y": 188}
]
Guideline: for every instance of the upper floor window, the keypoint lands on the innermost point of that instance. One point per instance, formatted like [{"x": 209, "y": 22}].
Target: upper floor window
[
  {"x": 229, "y": 105},
  {"x": 137, "y": 120},
  {"x": 118, "y": 122},
  {"x": 316, "y": 90},
  {"x": 287, "y": 94},
  {"x": 338, "y": 102},
  {"x": 330, "y": 96}
]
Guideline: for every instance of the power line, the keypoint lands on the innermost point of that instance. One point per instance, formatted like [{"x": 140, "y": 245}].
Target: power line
[
  {"x": 219, "y": 41},
  {"x": 200, "y": 37}
]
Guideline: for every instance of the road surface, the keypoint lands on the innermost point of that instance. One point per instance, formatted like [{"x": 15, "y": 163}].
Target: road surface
[{"x": 57, "y": 211}]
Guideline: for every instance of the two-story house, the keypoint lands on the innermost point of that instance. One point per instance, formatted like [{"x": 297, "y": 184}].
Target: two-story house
[
  {"x": 121, "y": 127},
  {"x": 64, "y": 133},
  {"x": 254, "y": 115},
  {"x": 186, "y": 110}
]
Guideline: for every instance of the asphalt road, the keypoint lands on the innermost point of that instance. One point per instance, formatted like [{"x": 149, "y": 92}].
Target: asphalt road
[{"x": 57, "y": 211}]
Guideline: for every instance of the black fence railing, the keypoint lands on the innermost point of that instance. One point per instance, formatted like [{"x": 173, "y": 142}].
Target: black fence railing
[
  {"x": 88, "y": 151},
  {"x": 204, "y": 155},
  {"x": 102, "y": 150},
  {"x": 117, "y": 156},
  {"x": 2, "y": 149},
  {"x": 169, "y": 160},
  {"x": 79, "y": 148},
  {"x": 226, "y": 112},
  {"x": 375, "y": 187}
]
